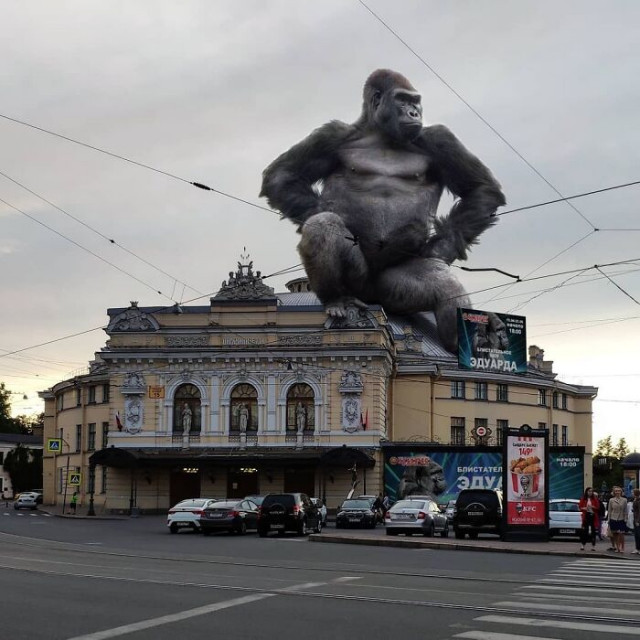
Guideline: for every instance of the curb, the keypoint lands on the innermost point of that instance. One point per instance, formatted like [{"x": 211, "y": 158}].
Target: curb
[{"x": 451, "y": 546}]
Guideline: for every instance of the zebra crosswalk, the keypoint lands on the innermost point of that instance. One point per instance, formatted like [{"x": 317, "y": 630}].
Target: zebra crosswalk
[
  {"x": 586, "y": 598},
  {"x": 22, "y": 514}
]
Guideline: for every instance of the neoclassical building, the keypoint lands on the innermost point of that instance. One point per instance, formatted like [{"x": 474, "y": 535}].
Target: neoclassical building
[{"x": 259, "y": 392}]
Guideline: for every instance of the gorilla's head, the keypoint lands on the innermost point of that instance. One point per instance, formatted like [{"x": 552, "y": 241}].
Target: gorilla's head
[{"x": 392, "y": 105}]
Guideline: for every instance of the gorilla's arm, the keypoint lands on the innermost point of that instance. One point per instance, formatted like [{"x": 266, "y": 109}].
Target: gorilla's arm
[
  {"x": 467, "y": 178},
  {"x": 288, "y": 181}
]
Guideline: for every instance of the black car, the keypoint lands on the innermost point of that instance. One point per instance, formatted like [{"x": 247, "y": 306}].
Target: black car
[
  {"x": 283, "y": 512},
  {"x": 234, "y": 516},
  {"x": 356, "y": 513},
  {"x": 477, "y": 511}
]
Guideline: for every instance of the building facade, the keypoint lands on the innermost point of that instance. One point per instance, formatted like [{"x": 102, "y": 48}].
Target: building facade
[{"x": 260, "y": 392}]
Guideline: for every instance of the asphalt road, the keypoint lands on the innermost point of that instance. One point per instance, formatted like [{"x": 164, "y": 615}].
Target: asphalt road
[{"x": 99, "y": 579}]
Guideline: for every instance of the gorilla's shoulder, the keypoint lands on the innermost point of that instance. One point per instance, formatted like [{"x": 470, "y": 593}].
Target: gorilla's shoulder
[{"x": 437, "y": 136}]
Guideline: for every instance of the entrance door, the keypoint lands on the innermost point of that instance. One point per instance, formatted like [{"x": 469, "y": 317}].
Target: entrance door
[
  {"x": 183, "y": 486},
  {"x": 242, "y": 483},
  {"x": 298, "y": 479}
]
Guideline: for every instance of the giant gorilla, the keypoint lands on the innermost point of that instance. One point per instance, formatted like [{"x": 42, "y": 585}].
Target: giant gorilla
[{"x": 365, "y": 197}]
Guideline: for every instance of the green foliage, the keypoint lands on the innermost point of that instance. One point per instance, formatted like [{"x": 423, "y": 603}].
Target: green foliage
[
  {"x": 611, "y": 472},
  {"x": 604, "y": 447},
  {"x": 621, "y": 449},
  {"x": 25, "y": 468},
  {"x": 7, "y": 423}
]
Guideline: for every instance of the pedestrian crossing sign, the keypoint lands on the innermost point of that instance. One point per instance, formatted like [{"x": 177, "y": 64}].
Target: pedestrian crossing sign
[
  {"x": 74, "y": 478},
  {"x": 54, "y": 445}
]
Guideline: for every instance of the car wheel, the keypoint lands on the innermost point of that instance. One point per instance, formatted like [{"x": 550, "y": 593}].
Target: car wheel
[
  {"x": 318, "y": 528},
  {"x": 445, "y": 532},
  {"x": 173, "y": 528},
  {"x": 242, "y": 529},
  {"x": 458, "y": 534},
  {"x": 431, "y": 531},
  {"x": 473, "y": 535}
]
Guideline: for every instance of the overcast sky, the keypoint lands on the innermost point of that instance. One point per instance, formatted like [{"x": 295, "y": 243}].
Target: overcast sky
[{"x": 212, "y": 91}]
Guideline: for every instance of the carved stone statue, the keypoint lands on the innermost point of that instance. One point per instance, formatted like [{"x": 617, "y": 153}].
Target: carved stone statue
[
  {"x": 243, "y": 417},
  {"x": 186, "y": 416},
  {"x": 301, "y": 417}
]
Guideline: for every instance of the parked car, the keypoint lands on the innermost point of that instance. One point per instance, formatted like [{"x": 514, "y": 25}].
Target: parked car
[
  {"x": 565, "y": 518},
  {"x": 323, "y": 510},
  {"x": 477, "y": 511},
  {"x": 283, "y": 512},
  {"x": 372, "y": 500},
  {"x": 416, "y": 515},
  {"x": 187, "y": 513},
  {"x": 356, "y": 513},
  {"x": 26, "y": 500},
  {"x": 449, "y": 509},
  {"x": 257, "y": 500},
  {"x": 38, "y": 493},
  {"x": 234, "y": 516}
]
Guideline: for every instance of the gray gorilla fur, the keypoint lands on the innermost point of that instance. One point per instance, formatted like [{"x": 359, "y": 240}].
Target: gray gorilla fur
[{"x": 365, "y": 198}]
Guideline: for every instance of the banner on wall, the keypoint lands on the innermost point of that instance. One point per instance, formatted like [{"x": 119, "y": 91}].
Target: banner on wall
[
  {"x": 445, "y": 473},
  {"x": 489, "y": 341}
]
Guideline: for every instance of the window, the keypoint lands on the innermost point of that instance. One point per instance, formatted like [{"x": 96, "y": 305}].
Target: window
[
  {"x": 186, "y": 409},
  {"x": 92, "y": 394},
  {"x": 555, "y": 399},
  {"x": 105, "y": 393},
  {"x": 502, "y": 393},
  {"x": 501, "y": 424},
  {"x": 78, "y": 438},
  {"x": 244, "y": 409},
  {"x": 60, "y": 402},
  {"x": 457, "y": 388},
  {"x": 481, "y": 422},
  {"x": 78, "y": 397},
  {"x": 542, "y": 425},
  {"x": 91, "y": 436},
  {"x": 457, "y": 431},
  {"x": 542, "y": 397},
  {"x": 105, "y": 434},
  {"x": 564, "y": 401},
  {"x": 91, "y": 483},
  {"x": 300, "y": 409},
  {"x": 554, "y": 435},
  {"x": 481, "y": 391},
  {"x": 565, "y": 435},
  {"x": 103, "y": 487}
]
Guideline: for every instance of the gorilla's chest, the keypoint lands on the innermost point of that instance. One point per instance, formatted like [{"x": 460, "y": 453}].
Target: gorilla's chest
[{"x": 369, "y": 159}]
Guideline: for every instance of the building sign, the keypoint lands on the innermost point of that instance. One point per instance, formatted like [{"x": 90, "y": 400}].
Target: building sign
[
  {"x": 524, "y": 479},
  {"x": 490, "y": 341},
  {"x": 446, "y": 472},
  {"x": 54, "y": 445},
  {"x": 157, "y": 393}
]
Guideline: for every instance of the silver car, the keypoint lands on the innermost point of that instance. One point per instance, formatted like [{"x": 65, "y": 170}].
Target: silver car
[
  {"x": 26, "y": 501},
  {"x": 416, "y": 515}
]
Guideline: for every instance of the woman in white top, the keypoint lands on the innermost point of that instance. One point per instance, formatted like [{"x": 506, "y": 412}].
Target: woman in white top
[{"x": 617, "y": 519}]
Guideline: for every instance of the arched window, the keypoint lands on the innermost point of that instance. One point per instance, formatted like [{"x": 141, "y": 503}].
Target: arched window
[
  {"x": 244, "y": 409},
  {"x": 186, "y": 409},
  {"x": 300, "y": 409}
]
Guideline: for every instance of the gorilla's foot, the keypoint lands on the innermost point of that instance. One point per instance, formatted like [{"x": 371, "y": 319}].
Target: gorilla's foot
[{"x": 338, "y": 308}]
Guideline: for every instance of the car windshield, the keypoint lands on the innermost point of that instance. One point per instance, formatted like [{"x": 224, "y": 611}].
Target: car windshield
[
  {"x": 564, "y": 506},
  {"x": 223, "y": 504},
  {"x": 355, "y": 504},
  {"x": 408, "y": 504},
  {"x": 284, "y": 499},
  {"x": 257, "y": 500}
]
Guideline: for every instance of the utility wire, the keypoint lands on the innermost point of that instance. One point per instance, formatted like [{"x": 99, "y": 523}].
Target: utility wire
[
  {"x": 77, "y": 244},
  {"x": 199, "y": 185},
  {"x": 615, "y": 284},
  {"x": 96, "y": 231}
]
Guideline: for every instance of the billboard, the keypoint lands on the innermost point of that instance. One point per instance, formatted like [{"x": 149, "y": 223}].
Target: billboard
[
  {"x": 489, "y": 341},
  {"x": 446, "y": 472}
]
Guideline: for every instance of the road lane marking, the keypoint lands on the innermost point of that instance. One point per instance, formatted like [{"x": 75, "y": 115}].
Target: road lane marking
[
  {"x": 174, "y": 617},
  {"x": 347, "y": 579},
  {"x": 564, "y": 607},
  {"x": 561, "y": 624},
  {"x": 574, "y": 598},
  {"x": 487, "y": 635},
  {"x": 581, "y": 589}
]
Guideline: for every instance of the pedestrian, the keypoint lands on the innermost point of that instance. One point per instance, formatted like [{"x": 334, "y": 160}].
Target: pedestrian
[
  {"x": 74, "y": 502},
  {"x": 590, "y": 509},
  {"x": 636, "y": 519},
  {"x": 385, "y": 503},
  {"x": 617, "y": 519},
  {"x": 601, "y": 515}
]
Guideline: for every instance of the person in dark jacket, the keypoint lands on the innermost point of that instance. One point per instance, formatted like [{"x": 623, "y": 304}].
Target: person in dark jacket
[{"x": 590, "y": 509}]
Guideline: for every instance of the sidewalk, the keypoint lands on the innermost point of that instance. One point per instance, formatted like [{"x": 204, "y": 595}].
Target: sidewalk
[
  {"x": 568, "y": 547},
  {"x": 81, "y": 513}
]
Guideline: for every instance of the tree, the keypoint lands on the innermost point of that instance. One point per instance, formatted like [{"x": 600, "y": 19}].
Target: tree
[
  {"x": 621, "y": 449},
  {"x": 7, "y": 423},
  {"x": 605, "y": 447},
  {"x": 25, "y": 468}
]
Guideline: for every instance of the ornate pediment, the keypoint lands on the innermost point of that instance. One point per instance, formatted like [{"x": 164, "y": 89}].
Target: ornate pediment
[
  {"x": 133, "y": 319},
  {"x": 356, "y": 318}
]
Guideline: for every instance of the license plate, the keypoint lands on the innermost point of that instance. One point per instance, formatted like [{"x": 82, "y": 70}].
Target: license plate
[
  {"x": 181, "y": 524},
  {"x": 216, "y": 515},
  {"x": 354, "y": 519},
  {"x": 567, "y": 530},
  {"x": 275, "y": 512},
  {"x": 475, "y": 513},
  {"x": 277, "y": 526},
  {"x": 402, "y": 516}
]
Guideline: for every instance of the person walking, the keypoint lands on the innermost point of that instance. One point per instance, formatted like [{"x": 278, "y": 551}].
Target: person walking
[
  {"x": 590, "y": 509},
  {"x": 617, "y": 519},
  {"x": 636, "y": 519}
]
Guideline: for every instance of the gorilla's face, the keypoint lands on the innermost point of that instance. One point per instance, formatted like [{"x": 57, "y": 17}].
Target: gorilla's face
[{"x": 398, "y": 113}]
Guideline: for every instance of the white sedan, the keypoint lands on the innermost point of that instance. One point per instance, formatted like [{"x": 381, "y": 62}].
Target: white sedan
[
  {"x": 187, "y": 514},
  {"x": 565, "y": 518}
]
